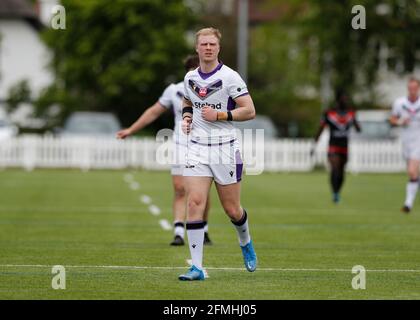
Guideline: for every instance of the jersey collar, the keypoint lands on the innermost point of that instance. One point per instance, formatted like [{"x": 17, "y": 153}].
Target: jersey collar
[
  {"x": 205, "y": 76},
  {"x": 412, "y": 102}
]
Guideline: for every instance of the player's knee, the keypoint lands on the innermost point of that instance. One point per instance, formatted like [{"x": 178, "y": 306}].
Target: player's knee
[
  {"x": 413, "y": 175},
  {"x": 196, "y": 202},
  {"x": 179, "y": 191},
  {"x": 234, "y": 212}
]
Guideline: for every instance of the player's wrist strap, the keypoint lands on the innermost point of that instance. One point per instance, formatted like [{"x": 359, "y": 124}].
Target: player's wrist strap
[{"x": 225, "y": 116}]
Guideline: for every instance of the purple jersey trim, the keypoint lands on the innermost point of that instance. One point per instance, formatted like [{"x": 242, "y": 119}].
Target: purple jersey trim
[
  {"x": 205, "y": 76},
  {"x": 231, "y": 104},
  {"x": 243, "y": 94},
  {"x": 239, "y": 166}
]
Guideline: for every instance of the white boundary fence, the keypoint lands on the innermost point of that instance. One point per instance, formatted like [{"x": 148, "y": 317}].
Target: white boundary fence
[{"x": 33, "y": 151}]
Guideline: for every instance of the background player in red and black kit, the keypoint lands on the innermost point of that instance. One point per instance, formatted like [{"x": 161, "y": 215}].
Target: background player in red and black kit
[{"x": 339, "y": 119}]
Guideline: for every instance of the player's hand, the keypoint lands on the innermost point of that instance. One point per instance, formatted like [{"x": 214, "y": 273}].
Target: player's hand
[
  {"x": 404, "y": 122},
  {"x": 312, "y": 152},
  {"x": 186, "y": 125},
  {"x": 122, "y": 134},
  {"x": 209, "y": 114}
]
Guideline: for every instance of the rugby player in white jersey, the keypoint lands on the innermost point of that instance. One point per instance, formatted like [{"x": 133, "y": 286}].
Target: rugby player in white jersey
[
  {"x": 406, "y": 113},
  {"x": 214, "y": 96},
  {"x": 172, "y": 98}
]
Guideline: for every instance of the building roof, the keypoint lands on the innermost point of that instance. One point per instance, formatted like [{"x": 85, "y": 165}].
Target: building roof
[{"x": 19, "y": 9}]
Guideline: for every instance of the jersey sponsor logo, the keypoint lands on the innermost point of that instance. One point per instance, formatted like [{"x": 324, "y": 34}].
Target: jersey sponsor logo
[
  {"x": 202, "y": 92},
  {"x": 205, "y": 92},
  {"x": 200, "y": 105},
  {"x": 341, "y": 134}
]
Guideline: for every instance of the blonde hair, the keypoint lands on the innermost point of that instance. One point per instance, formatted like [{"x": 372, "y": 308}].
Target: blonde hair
[
  {"x": 208, "y": 32},
  {"x": 414, "y": 79}
]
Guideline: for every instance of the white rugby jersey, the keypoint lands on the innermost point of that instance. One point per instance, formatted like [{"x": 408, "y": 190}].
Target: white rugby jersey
[
  {"x": 404, "y": 108},
  {"x": 218, "y": 89},
  {"x": 172, "y": 98}
]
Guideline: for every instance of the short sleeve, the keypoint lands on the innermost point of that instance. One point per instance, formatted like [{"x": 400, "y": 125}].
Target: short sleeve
[
  {"x": 237, "y": 86},
  {"x": 354, "y": 117},
  {"x": 396, "y": 109},
  {"x": 166, "y": 98},
  {"x": 186, "y": 94},
  {"x": 323, "y": 120}
]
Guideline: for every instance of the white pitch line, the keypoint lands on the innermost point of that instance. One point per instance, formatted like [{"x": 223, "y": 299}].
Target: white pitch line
[
  {"x": 128, "y": 178},
  {"x": 208, "y": 268},
  {"x": 154, "y": 210},
  {"x": 134, "y": 185},
  {"x": 165, "y": 224},
  {"x": 145, "y": 199}
]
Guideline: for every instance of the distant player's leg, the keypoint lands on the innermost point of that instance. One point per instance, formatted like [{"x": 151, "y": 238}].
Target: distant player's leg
[
  {"x": 179, "y": 210},
  {"x": 197, "y": 191},
  {"x": 229, "y": 196},
  {"x": 207, "y": 240},
  {"x": 342, "y": 170},
  {"x": 412, "y": 185},
  {"x": 336, "y": 175}
]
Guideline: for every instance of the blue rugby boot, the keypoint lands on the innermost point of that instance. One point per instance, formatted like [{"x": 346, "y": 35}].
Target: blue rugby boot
[
  {"x": 250, "y": 258},
  {"x": 336, "y": 197},
  {"x": 193, "y": 274}
]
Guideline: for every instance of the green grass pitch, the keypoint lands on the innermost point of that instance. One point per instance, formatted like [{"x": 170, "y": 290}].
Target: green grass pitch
[{"x": 93, "y": 224}]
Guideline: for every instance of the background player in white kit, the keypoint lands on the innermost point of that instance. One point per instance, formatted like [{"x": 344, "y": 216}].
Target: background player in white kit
[
  {"x": 214, "y": 96},
  {"x": 172, "y": 98},
  {"x": 406, "y": 113}
]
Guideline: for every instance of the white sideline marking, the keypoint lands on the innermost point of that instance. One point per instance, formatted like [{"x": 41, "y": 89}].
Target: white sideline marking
[
  {"x": 154, "y": 210},
  {"x": 208, "y": 268},
  {"x": 165, "y": 224},
  {"x": 134, "y": 185},
  {"x": 145, "y": 199},
  {"x": 128, "y": 177}
]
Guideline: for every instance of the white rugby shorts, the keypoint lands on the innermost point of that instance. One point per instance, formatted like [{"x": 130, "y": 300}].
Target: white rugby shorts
[
  {"x": 221, "y": 161},
  {"x": 411, "y": 148},
  {"x": 179, "y": 158}
]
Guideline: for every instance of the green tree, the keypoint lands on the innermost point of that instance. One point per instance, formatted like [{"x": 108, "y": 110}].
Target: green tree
[
  {"x": 289, "y": 56},
  {"x": 115, "y": 55},
  {"x": 284, "y": 70}
]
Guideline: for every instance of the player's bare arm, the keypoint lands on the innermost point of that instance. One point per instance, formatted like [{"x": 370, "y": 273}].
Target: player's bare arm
[
  {"x": 316, "y": 138},
  {"x": 150, "y": 115},
  {"x": 398, "y": 121},
  {"x": 187, "y": 115},
  {"x": 319, "y": 132},
  {"x": 357, "y": 126},
  {"x": 245, "y": 111}
]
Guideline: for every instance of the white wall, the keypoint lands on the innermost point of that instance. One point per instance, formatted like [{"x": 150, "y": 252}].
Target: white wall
[{"x": 22, "y": 56}]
